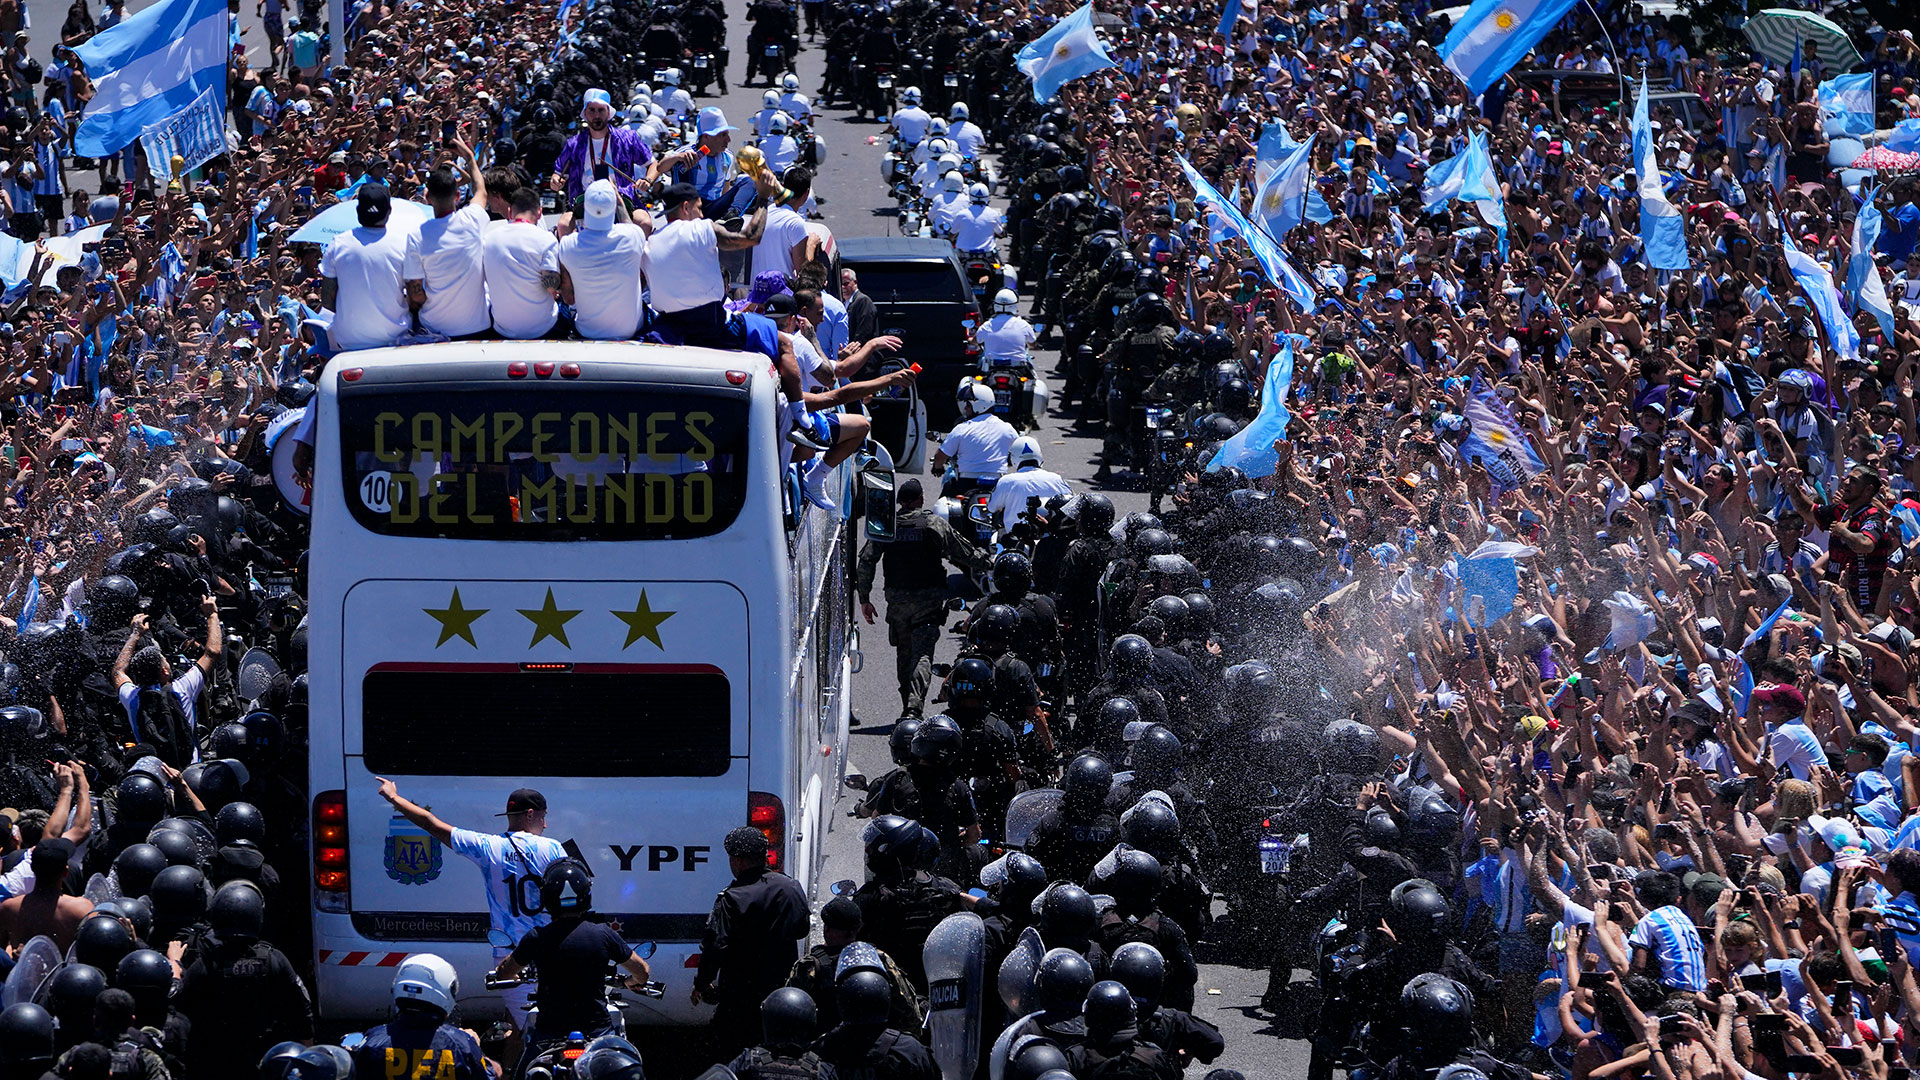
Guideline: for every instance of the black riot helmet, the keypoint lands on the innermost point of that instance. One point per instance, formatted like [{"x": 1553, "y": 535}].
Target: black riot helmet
[
  {"x": 1217, "y": 347},
  {"x": 1299, "y": 557},
  {"x": 1149, "y": 279},
  {"x": 864, "y": 997},
  {"x": 1158, "y": 753},
  {"x": 900, "y": 740},
  {"x": 1350, "y": 746},
  {"x": 1149, "y": 309},
  {"x": 1088, "y": 780},
  {"x": 1437, "y": 1013},
  {"x": 1200, "y": 613},
  {"x": 1108, "y": 1009},
  {"x": 1431, "y": 818},
  {"x": 893, "y": 840},
  {"x": 143, "y": 970},
  {"x": 101, "y": 940},
  {"x": 1151, "y": 826},
  {"x": 1137, "y": 521},
  {"x": 1012, "y": 573},
  {"x": 1033, "y": 1058},
  {"x": 141, "y": 799},
  {"x": 21, "y": 724},
  {"x": 179, "y": 896},
  {"x": 178, "y": 847},
  {"x": 1116, "y": 713},
  {"x": 788, "y": 1017},
  {"x": 1150, "y": 541},
  {"x": 69, "y": 994},
  {"x": 113, "y": 600},
  {"x": 939, "y": 741},
  {"x": 970, "y": 678},
  {"x": 239, "y": 821},
  {"x": 1187, "y": 344},
  {"x": 26, "y": 1035},
  {"x": 218, "y": 782},
  {"x": 610, "y": 1062},
  {"x": 1135, "y": 881},
  {"x": 1072, "y": 178},
  {"x": 1063, "y": 981},
  {"x": 1140, "y": 968},
  {"x": 152, "y": 526},
  {"x": 566, "y": 888},
  {"x": 992, "y": 628},
  {"x": 1129, "y": 658},
  {"x": 229, "y": 740},
  {"x": 1025, "y": 878},
  {"x": 1417, "y": 912},
  {"x": 1172, "y": 613},
  {"x": 1094, "y": 514},
  {"x": 238, "y": 911},
  {"x": 1067, "y": 913},
  {"x": 1380, "y": 828}
]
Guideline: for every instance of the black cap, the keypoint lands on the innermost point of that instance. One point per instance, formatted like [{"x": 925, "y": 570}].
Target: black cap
[
  {"x": 524, "y": 801},
  {"x": 675, "y": 194},
  {"x": 909, "y": 490},
  {"x": 781, "y": 305},
  {"x": 376, "y": 202},
  {"x": 746, "y": 842}
]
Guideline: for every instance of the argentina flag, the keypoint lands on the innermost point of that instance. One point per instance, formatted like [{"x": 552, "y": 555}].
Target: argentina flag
[
  {"x": 1069, "y": 51},
  {"x": 1251, "y": 448},
  {"x": 1848, "y": 99},
  {"x": 1282, "y": 201},
  {"x": 1494, "y": 35},
  {"x": 149, "y": 67},
  {"x": 1662, "y": 229}
]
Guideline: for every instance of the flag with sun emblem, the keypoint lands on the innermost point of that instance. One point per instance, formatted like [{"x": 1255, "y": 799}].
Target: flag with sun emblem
[
  {"x": 1282, "y": 202},
  {"x": 1069, "y": 51},
  {"x": 1494, "y": 35}
]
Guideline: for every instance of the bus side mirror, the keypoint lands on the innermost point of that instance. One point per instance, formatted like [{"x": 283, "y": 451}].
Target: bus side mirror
[{"x": 877, "y": 499}]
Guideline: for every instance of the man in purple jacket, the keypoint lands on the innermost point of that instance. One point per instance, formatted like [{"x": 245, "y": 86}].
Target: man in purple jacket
[{"x": 601, "y": 150}]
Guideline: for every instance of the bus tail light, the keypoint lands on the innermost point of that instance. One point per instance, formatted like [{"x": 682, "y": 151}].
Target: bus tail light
[
  {"x": 737, "y": 378},
  {"x": 352, "y": 374},
  {"x": 543, "y": 368},
  {"x": 517, "y": 369},
  {"x": 766, "y": 813},
  {"x": 569, "y": 371},
  {"x": 330, "y": 850}
]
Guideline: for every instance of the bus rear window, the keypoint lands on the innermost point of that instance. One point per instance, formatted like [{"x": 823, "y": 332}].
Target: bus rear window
[
  {"x": 569, "y": 462},
  {"x": 518, "y": 723}
]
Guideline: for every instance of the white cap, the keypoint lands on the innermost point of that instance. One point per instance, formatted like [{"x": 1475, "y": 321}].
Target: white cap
[{"x": 602, "y": 203}]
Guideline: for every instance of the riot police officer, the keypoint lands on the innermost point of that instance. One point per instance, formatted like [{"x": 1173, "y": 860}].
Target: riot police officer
[
  {"x": 1113, "y": 1045},
  {"x": 752, "y": 938},
  {"x": 937, "y": 796},
  {"x": 1078, "y": 589},
  {"x": 1071, "y": 839},
  {"x": 1436, "y": 1019},
  {"x": 419, "y": 1038},
  {"x": 788, "y": 1026},
  {"x": 1133, "y": 363},
  {"x": 1129, "y": 663},
  {"x": 992, "y": 754},
  {"x": 903, "y": 900},
  {"x": 244, "y": 981},
  {"x": 1142, "y": 970},
  {"x": 840, "y": 950},
  {"x": 915, "y": 561},
  {"x": 1134, "y": 883},
  {"x": 863, "y": 1046}
]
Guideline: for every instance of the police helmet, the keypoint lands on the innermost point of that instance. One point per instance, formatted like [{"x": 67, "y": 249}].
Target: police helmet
[
  {"x": 1172, "y": 612},
  {"x": 229, "y": 740},
  {"x": 864, "y": 997},
  {"x": 953, "y": 183},
  {"x": 143, "y": 970},
  {"x": 973, "y": 398},
  {"x": 1140, "y": 968},
  {"x": 991, "y": 629},
  {"x": 1149, "y": 279},
  {"x": 939, "y": 741},
  {"x": 1217, "y": 427},
  {"x": 1148, "y": 309},
  {"x": 1137, "y": 521},
  {"x": 1187, "y": 344},
  {"x": 1151, "y": 826},
  {"x": 1025, "y": 877},
  {"x": 425, "y": 981},
  {"x": 778, "y": 123},
  {"x": 978, "y": 194},
  {"x": 959, "y": 111},
  {"x": 788, "y": 1017},
  {"x": 770, "y": 99},
  {"x": 21, "y": 724},
  {"x": 1299, "y": 556},
  {"x": 1350, "y": 746},
  {"x": 1116, "y": 713},
  {"x": 1120, "y": 266},
  {"x": 1025, "y": 453},
  {"x": 1034, "y": 1058},
  {"x": 266, "y": 734},
  {"x": 790, "y": 82},
  {"x": 670, "y": 77},
  {"x": 26, "y": 1035},
  {"x": 566, "y": 888},
  {"x": 140, "y": 798},
  {"x": 1135, "y": 880},
  {"x": 101, "y": 940},
  {"x": 937, "y": 127},
  {"x": 237, "y": 911},
  {"x": 1012, "y": 573},
  {"x": 972, "y": 677},
  {"x": 1073, "y": 178},
  {"x": 179, "y": 895},
  {"x": 613, "y": 1061},
  {"x": 1218, "y": 346},
  {"x": 1417, "y": 912},
  {"x": 178, "y": 847},
  {"x": 1064, "y": 978},
  {"x": 1108, "y": 1008},
  {"x": 216, "y": 782},
  {"x": 891, "y": 837},
  {"x": 1006, "y": 302},
  {"x": 1158, "y": 752},
  {"x": 1129, "y": 657},
  {"x": 910, "y": 96},
  {"x": 1431, "y": 818},
  {"x": 1235, "y": 397},
  {"x": 1437, "y": 1013},
  {"x": 239, "y": 821},
  {"x": 153, "y": 526},
  {"x": 113, "y": 598},
  {"x": 1088, "y": 777},
  {"x": 1380, "y": 828},
  {"x": 1150, "y": 541},
  {"x": 1094, "y": 512},
  {"x": 135, "y": 910},
  {"x": 69, "y": 994},
  {"x": 900, "y": 740},
  {"x": 280, "y": 1057}
]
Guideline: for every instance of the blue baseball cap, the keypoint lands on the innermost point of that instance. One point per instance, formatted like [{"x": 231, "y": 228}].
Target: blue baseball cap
[
  {"x": 713, "y": 121},
  {"x": 596, "y": 96}
]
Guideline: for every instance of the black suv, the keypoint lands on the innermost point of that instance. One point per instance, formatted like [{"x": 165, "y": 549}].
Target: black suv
[{"x": 920, "y": 293}]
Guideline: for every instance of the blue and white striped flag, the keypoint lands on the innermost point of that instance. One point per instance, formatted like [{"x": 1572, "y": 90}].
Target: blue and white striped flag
[
  {"x": 1470, "y": 177},
  {"x": 1864, "y": 286},
  {"x": 31, "y": 606},
  {"x": 1817, "y": 283},
  {"x": 1267, "y": 253},
  {"x": 197, "y": 133},
  {"x": 1849, "y": 99},
  {"x": 1228, "y": 16},
  {"x": 149, "y": 67},
  {"x": 1662, "y": 229},
  {"x": 1276, "y": 142},
  {"x": 1281, "y": 204},
  {"x": 1494, "y": 35},
  {"x": 1067, "y": 52},
  {"x": 1251, "y": 448}
]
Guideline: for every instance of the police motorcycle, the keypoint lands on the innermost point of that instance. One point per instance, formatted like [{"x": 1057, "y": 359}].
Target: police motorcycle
[
  {"x": 557, "y": 1062},
  {"x": 1019, "y": 394}
]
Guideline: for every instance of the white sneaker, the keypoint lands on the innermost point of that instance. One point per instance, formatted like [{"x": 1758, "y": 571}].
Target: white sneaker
[{"x": 814, "y": 484}]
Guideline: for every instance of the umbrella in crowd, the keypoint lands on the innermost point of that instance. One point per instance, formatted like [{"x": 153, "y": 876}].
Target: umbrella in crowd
[
  {"x": 1780, "y": 33},
  {"x": 1885, "y": 160}
]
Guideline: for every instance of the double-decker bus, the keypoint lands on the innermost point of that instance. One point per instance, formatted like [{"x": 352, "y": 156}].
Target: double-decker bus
[{"x": 575, "y": 566}]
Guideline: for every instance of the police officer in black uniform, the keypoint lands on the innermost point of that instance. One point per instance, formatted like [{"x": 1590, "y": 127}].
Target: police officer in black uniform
[
  {"x": 245, "y": 982},
  {"x": 1037, "y": 639},
  {"x": 752, "y": 939},
  {"x": 1142, "y": 970},
  {"x": 1133, "y": 363},
  {"x": 915, "y": 561},
  {"x": 1069, "y": 840},
  {"x": 1078, "y": 590},
  {"x": 1114, "y": 1046},
  {"x": 26, "y": 1041},
  {"x": 903, "y": 900},
  {"x": 1436, "y": 1016},
  {"x": 863, "y": 1046},
  {"x": 571, "y": 954},
  {"x": 818, "y": 971},
  {"x": 992, "y": 757},
  {"x": 788, "y": 1026},
  {"x": 1134, "y": 884}
]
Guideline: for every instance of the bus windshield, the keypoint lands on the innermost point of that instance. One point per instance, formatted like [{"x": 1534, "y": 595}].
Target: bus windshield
[{"x": 546, "y": 462}]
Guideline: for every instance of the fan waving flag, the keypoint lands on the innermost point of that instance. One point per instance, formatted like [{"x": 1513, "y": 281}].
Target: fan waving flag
[
  {"x": 1282, "y": 202},
  {"x": 1067, "y": 52},
  {"x": 1470, "y": 177},
  {"x": 148, "y": 68},
  {"x": 1251, "y": 448},
  {"x": 1267, "y": 253},
  {"x": 1662, "y": 229},
  {"x": 1494, "y": 35},
  {"x": 1864, "y": 286},
  {"x": 1817, "y": 283}
]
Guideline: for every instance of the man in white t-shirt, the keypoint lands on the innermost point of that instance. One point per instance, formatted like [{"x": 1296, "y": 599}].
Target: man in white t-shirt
[
  {"x": 523, "y": 271},
  {"x": 364, "y": 277},
  {"x": 446, "y": 262},
  {"x": 144, "y": 670},
  {"x": 602, "y": 263},
  {"x": 786, "y": 243},
  {"x": 510, "y": 863},
  {"x": 682, "y": 263}
]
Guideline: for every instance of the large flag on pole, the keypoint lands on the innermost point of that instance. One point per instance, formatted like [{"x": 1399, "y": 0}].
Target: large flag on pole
[
  {"x": 1849, "y": 99},
  {"x": 150, "y": 67},
  {"x": 1281, "y": 204},
  {"x": 1470, "y": 177},
  {"x": 1494, "y": 35},
  {"x": 1864, "y": 286},
  {"x": 1251, "y": 448},
  {"x": 1267, "y": 253},
  {"x": 1662, "y": 229},
  {"x": 1067, "y": 52},
  {"x": 1817, "y": 283}
]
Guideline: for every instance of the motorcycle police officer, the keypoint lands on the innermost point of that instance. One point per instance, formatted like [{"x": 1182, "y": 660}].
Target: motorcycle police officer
[
  {"x": 571, "y": 953},
  {"x": 1133, "y": 363},
  {"x": 420, "y": 1040},
  {"x": 752, "y": 939},
  {"x": 915, "y": 561}
]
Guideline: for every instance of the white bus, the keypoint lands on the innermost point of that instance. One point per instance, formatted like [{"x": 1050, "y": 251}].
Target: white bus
[{"x": 578, "y": 567}]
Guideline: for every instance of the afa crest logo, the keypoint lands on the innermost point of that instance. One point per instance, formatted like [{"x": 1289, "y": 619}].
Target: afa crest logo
[{"x": 412, "y": 857}]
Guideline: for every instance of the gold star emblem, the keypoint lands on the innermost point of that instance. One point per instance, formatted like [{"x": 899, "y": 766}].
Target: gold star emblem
[
  {"x": 643, "y": 622},
  {"x": 549, "y": 622},
  {"x": 456, "y": 621}
]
